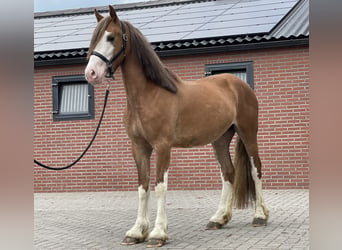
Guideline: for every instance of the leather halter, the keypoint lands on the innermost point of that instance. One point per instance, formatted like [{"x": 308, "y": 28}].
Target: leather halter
[{"x": 110, "y": 73}]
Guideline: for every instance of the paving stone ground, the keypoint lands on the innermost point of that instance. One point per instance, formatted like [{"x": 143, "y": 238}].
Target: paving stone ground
[{"x": 100, "y": 220}]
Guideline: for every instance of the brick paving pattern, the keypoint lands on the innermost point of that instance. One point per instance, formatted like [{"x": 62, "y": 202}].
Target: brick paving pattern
[{"x": 99, "y": 221}]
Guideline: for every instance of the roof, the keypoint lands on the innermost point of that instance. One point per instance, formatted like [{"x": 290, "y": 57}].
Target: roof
[{"x": 176, "y": 26}]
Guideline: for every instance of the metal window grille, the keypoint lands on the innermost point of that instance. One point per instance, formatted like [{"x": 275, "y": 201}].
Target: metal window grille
[
  {"x": 74, "y": 99},
  {"x": 241, "y": 74}
]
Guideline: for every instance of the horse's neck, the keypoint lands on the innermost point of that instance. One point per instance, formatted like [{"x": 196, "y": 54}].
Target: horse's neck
[{"x": 134, "y": 79}]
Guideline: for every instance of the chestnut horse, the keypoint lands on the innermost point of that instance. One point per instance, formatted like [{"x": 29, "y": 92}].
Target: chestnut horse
[{"x": 164, "y": 111}]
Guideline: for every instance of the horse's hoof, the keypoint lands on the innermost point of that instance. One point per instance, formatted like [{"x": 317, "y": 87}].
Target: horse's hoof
[
  {"x": 213, "y": 226},
  {"x": 259, "y": 222},
  {"x": 155, "y": 243},
  {"x": 130, "y": 241}
]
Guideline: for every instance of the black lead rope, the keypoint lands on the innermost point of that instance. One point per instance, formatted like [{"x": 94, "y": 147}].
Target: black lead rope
[{"x": 89, "y": 145}]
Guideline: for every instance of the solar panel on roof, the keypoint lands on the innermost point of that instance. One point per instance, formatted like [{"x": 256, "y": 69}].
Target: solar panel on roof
[
  {"x": 261, "y": 7},
  {"x": 65, "y": 28},
  {"x": 241, "y": 23},
  {"x": 170, "y": 23},
  {"x": 51, "y": 34},
  {"x": 244, "y": 3},
  {"x": 203, "y": 9},
  {"x": 251, "y": 15},
  {"x": 44, "y": 40},
  {"x": 176, "y": 16},
  {"x": 228, "y": 32},
  {"x": 220, "y": 18},
  {"x": 79, "y": 38},
  {"x": 210, "y": 5},
  {"x": 172, "y": 29},
  {"x": 166, "y": 37},
  {"x": 142, "y": 20},
  {"x": 155, "y": 12}
]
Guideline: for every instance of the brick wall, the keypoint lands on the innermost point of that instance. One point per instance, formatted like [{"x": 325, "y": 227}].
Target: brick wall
[{"x": 281, "y": 81}]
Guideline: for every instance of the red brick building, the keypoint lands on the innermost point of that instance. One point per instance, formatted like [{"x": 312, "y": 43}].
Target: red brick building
[{"x": 274, "y": 61}]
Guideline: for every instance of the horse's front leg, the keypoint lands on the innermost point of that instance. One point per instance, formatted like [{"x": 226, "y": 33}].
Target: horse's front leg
[
  {"x": 139, "y": 232},
  {"x": 159, "y": 235}
]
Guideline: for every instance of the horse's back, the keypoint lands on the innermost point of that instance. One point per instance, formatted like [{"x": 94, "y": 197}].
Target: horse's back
[
  {"x": 226, "y": 87},
  {"x": 207, "y": 108},
  {"x": 230, "y": 84},
  {"x": 226, "y": 81}
]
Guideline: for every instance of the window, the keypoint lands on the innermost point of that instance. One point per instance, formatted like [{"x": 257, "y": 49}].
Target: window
[
  {"x": 73, "y": 98},
  {"x": 243, "y": 70}
]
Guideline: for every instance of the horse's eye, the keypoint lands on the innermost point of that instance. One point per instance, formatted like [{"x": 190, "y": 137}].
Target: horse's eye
[{"x": 110, "y": 39}]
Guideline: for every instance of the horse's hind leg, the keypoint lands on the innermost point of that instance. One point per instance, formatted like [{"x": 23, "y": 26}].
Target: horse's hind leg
[
  {"x": 261, "y": 212},
  {"x": 248, "y": 135},
  {"x": 224, "y": 211}
]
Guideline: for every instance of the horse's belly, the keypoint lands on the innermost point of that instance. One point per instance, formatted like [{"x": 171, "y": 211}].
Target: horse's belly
[{"x": 201, "y": 132}]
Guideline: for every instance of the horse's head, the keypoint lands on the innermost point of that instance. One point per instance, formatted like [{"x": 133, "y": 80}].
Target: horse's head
[{"x": 107, "y": 47}]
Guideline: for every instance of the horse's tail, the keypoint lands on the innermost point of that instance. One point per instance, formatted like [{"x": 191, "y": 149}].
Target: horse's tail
[{"x": 244, "y": 188}]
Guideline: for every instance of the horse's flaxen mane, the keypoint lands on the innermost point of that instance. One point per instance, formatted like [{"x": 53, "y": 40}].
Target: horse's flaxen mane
[
  {"x": 152, "y": 66},
  {"x": 97, "y": 34}
]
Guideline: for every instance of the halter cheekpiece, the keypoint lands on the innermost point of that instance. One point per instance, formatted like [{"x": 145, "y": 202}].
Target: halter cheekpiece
[{"x": 110, "y": 73}]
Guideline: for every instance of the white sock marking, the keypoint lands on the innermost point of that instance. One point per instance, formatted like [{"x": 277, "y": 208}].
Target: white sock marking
[
  {"x": 160, "y": 228},
  {"x": 260, "y": 208},
  {"x": 142, "y": 224},
  {"x": 224, "y": 211}
]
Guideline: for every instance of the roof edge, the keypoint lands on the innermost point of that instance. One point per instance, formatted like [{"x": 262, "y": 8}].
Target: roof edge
[{"x": 278, "y": 43}]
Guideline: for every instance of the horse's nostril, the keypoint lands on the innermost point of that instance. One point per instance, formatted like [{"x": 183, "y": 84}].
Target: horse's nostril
[{"x": 93, "y": 74}]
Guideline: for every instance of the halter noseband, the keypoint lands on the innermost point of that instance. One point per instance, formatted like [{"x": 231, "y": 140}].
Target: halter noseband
[{"x": 109, "y": 63}]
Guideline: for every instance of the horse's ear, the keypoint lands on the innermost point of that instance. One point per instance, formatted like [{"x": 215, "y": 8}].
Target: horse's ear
[
  {"x": 112, "y": 13},
  {"x": 98, "y": 15}
]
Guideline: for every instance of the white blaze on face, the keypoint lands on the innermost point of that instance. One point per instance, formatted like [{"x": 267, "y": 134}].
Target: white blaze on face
[{"x": 96, "y": 68}]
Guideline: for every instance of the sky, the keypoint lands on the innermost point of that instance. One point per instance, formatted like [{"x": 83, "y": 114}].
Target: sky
[{"x": 50, "y": 5}]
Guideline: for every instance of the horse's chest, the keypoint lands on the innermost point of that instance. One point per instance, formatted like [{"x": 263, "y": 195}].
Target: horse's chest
[
  {"x": 133, "y": 125},
  {"x": 139, "y": 126}
]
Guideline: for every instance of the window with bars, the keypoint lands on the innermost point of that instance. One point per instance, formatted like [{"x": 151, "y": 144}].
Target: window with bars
[
  {"x": 73, "y": 98},
  {"x": 243, "y": 70}
]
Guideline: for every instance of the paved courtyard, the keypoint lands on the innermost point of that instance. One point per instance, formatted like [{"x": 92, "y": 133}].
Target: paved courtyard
[{"x": 100, "y": 220}]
